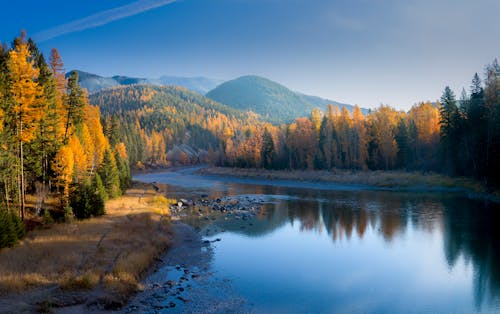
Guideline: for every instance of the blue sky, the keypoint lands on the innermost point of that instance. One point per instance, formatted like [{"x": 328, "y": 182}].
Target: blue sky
[{"x": 365, "y": 52}]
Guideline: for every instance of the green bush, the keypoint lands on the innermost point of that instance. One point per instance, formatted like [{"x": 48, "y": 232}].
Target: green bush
[
  {"x": 11, "y": 228},
  {"x": 87, "y": 200},
  {"x": 47, "y": 217}
]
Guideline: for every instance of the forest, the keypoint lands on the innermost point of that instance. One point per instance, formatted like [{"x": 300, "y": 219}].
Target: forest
[
  {"x": 56, "y": 162},
  {"x": 456, "y": 137}
]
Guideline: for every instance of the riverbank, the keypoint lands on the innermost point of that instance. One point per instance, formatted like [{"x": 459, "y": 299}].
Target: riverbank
[
  {"x": 387, "y": 180},
  {"x": 94, "y": 264},
  {"x": 183, "y": 281}
]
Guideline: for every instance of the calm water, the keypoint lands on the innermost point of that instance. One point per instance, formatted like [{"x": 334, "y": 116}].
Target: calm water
[{"x": 326, "y": 248}]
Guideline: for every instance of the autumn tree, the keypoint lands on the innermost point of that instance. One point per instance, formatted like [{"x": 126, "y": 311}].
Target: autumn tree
[
  {"x": 359, "y": 140},
  {"x": 383, "y": 123},
  {"x": 327, "y": 142},
  {"x": 301, "y": 144},
  {"x": 26, "y": 96},
  {"x": 63, "y": 165}
]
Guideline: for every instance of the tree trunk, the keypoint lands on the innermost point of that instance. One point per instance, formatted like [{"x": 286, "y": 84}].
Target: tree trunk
[{"x": 22, "y": 180}]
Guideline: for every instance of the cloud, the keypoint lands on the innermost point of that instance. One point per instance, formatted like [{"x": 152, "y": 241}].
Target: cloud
[{"x": 100, "y": 18}]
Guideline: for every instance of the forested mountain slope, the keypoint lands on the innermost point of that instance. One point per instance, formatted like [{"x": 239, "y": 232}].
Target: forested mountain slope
[
  {"x": 273, "y": 101},
  {"x": 155, "y": 119}
]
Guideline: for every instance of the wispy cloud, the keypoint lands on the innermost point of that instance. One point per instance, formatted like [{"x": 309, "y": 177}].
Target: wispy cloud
[{"x": 100, "y": 18}]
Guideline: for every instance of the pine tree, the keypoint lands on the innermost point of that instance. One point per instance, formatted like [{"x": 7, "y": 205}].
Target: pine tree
[
  {"x": 268, "y": 153},
  {"x": 88, "y": 200},
  {"x": 74, "y": 104},
  {"x": 109, "y": 175},
  {"x": 99, "y": 187},
  {"x": 449, "y": 120},
  {"x": 123, "y": 170},
  {"x": 98, "y": 196},
  {"x": 402, "y": 142},
  {"x": 4, "y": 230}
]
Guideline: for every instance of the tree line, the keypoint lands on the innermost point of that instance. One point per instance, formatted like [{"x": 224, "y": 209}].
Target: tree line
[
  {"x": 51, "y": 142},
  {"x": 458, "y": 137}
]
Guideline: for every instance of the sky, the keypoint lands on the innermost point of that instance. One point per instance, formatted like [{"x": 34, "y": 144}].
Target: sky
[{"x": 365, "y": 52}]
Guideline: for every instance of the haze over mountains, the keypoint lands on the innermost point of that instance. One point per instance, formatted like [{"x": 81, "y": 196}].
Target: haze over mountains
[
  {"x": 272, "y": 101},
  {"x": 93, "y": 82}
]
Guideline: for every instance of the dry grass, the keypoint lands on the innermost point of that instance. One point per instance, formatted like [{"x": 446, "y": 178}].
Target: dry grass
[
  {"x": 385, "y": 179},
  {"x": 111, "y": 252}
]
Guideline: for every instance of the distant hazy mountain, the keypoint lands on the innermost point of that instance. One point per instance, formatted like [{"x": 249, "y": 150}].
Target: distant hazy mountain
[
  {"x": 94, "y": 83},
  {"x": 273, "y": 101}
]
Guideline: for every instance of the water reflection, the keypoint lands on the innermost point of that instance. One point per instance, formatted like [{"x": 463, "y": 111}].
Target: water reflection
[
  {"x": 467, "y": 229},
  {"x": 474, "y": 234}
]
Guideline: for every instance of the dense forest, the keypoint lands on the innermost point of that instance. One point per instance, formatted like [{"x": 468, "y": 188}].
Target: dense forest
[
  {"x": 162, "y": 125},
  {"x": 52, "y": 145},
  {"x": 458, "y": 137}
]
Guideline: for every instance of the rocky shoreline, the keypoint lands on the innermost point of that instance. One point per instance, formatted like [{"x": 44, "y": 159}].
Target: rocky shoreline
[{"x": 182, "y": 281}]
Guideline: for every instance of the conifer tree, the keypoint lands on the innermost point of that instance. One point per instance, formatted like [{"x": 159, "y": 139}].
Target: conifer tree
[
  {"x": 109, "y": 175},
  {"x": 268, "y": 153},
  {"x": 74, "y": 104},
  {"x": 449, "y": 128}
]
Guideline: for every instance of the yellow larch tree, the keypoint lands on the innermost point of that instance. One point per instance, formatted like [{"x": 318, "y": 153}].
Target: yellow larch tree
[
  {"x": 63, "y": 165},
  {"x": 360, "y": 151},
  {"x": 88, "y": 147},
  {"x": 80, "y": 159},
  {"x": 93, "y": 122},
  {"x": 26, "y": 95},
  {"x": 383, "y": 122}
]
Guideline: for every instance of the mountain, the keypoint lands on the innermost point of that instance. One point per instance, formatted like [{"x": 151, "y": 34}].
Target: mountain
[
  {"x": 273, "y": 101},
  {"x": 94, "y": 83}
]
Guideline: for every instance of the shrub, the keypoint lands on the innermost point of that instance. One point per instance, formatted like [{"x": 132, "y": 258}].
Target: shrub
[
  {"x": 68, "y": 214},
  {"x": 11, "y": 228},
  {"x": 87, "y": 201},
  {"x": 47, "y": 218}
]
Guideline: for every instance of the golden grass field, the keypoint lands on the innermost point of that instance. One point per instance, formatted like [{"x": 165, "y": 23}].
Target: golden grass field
[{"x": 111, "y": 252}]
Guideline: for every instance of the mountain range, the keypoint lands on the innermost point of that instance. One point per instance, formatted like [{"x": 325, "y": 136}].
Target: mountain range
[
  {"x": 94, "y": 82},
  {"x": 274, "y": 102}
]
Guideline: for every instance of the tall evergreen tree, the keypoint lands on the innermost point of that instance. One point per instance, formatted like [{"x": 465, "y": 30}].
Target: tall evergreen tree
[
  {"x": 110, "y": 175},
  {"x": 449, "y": 120},
  {"x": 268, "y": 153},
  {"x": 74, "y": 104}
]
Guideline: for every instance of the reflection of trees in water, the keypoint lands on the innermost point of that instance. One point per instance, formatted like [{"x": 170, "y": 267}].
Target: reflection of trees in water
[
  {"x": 471, "y": 231},
  {"x": 305, "y": 212},
  {"x": 387, "y": 214},
  {"x": 468, "y": 227}
]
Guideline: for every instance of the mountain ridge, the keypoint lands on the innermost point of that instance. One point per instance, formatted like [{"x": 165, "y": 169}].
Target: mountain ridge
[
  {"x": 94, "y": 83},
  {"x": 267, "y": 98}
]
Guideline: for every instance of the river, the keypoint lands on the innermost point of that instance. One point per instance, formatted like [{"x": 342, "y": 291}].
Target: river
[{"x": 327, "y": 248}]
